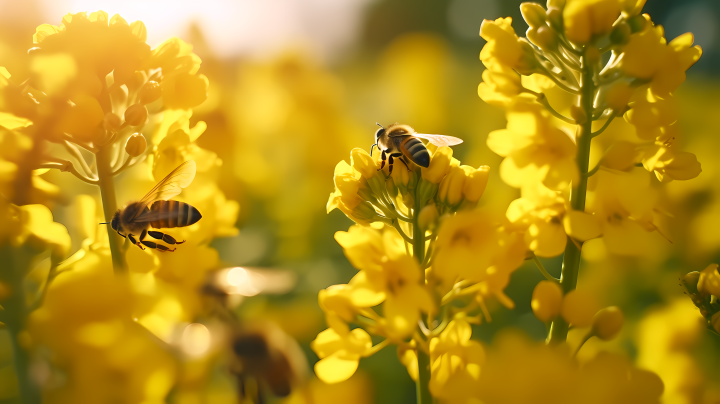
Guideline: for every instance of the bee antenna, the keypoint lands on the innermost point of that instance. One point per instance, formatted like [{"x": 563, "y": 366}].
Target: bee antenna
[
  {"x": 372, "y": 147},
  {"x": 378, "y": 124},
  {"x": 105, "y": 223}
]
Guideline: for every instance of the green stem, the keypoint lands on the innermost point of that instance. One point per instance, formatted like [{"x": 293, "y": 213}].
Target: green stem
[
  {"x": 542, "y": 269},
  {"x": 423, "y": 382},
  {"x": 571, "y": 259},
  {"x": 15, "y": 264},
  {"x": 107, "y": 191}
]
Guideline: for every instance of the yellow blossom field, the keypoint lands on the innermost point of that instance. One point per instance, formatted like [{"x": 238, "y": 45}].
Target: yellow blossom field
[{"x": 316, "y": 202}]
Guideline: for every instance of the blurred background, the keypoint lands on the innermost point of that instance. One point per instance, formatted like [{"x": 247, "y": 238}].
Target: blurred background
[{"x": 296, "y": 84}]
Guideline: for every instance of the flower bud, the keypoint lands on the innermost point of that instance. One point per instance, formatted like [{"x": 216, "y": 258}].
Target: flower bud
[
  {"x": 546, "y": 300},
  {"x": 363, "y": 163},
  {"x": 475, "y": 184},
  {"x": 150, "y": 92},
  {"x": 135, "y": 145},
  {"x": 136, "y": 115},
  {"x": 607, "y": 323},
  {"x": 618, "y": 95},
  {"x": 578, "y": 308},
  {"x": 439, "y": 165},
  {"x": 585, "y": 19},
  {"x": 555, "y": 18},
  {"x": 709, "y": 281},
  {"x": 451, "y": 187},
  {"x": 533, "y": 14},
  {"x": 715, "y": 321},
  {"x": 544, "y": 37},
  {"x": 578, "y": 114},
  {"x": 112, "y": 122},
  {"x": 690, "y": 281},
  {"x": 559, "y": 4},
  {"x": 428, "y": 217},
  {"x": 620, "y": 35}
]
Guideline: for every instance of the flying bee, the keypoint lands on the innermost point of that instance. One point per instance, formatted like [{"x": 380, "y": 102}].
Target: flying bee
[
  {"x": 156, "y": 210},
  {"x": 402, "y": 142}
]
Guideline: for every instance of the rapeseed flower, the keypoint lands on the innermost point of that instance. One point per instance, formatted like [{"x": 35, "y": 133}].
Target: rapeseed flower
[{"x": 534, "y": 149}]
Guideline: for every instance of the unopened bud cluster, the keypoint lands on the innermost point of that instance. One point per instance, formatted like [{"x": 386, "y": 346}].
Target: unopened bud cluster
[{"x": 703, "y": 288}]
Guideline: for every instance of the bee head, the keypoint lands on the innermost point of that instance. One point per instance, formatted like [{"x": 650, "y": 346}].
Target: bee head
[{"x": 115, "y": 220}]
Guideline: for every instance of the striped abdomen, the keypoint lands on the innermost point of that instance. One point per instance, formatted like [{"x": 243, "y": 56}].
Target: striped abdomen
[
  {"x": 173, "y": 214},
  {"x": 416, "y": 151}
]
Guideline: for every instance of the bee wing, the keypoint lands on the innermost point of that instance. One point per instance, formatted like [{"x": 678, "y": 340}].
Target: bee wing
[
  {"x": 439, "y": 140},
  {"x": 170, "y": 186}
]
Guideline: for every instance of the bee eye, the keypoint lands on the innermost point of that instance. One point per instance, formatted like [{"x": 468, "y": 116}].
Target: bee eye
[{"x": 379, "y": 133}]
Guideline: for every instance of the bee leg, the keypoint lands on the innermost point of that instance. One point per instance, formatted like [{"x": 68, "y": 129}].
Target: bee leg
[
  {"x": 401, "y": 158},
  {"x": 383, "y": 157},
  {"x": 156, "y": 246},
  {"x": 164, "y": 237},
  {"x": 390, "y": 164},
  {"x": 132, "y": 239}
]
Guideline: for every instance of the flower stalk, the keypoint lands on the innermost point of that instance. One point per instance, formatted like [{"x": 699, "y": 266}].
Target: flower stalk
[
  {"x": 109, "y": 202},
  {"x": 418, "y": 241},
  {"x": 583, "y": 139}
]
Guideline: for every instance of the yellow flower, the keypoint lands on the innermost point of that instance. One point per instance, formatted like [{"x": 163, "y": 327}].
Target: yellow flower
[
  {"x": 336, "y": 303},
  {"x": 34, "y": 225},
  {"x": 622, "y": 205},
  {"x": 98, "y": 44},
  {"x": 651, "y": 115},
  {"x": 594, "y": 381},
  {"x": 648, "y": 56},
  {"x": 456, "y": 363},
  {"x": 505, "y": 48},
  {"x": 539, "y": 213},
  {"x": 470, "y": 246},
  {"x": 669, "y": 164},
  {"x": 339, "y": 353},
  {"x": 534, "y": 149},
  {"x": 462, "y": 184},
  {"x": 500, "y": 84},
  {"x": 87, "y": 323},
  {"x": 586, "y": 19},
  {"x": 439, "y": 165},
  {"x": 387, "y": 274}
]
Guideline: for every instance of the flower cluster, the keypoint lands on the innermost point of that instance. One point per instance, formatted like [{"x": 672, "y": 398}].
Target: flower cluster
[
  {"x": 104, "y": 106},
  {"x": 546, "y": 148},
  {"x": 424, "y": 256},
  {"x": 703, "y": 288}
]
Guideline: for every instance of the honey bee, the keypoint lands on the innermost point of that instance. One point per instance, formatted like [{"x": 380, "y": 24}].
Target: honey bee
[
  {"x": 402, "y": 142},
  {"x": 268, "y": 355},
  {"x": 156, "y": 210}
]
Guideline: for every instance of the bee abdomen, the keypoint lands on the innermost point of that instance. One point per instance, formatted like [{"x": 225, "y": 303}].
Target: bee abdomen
[
  {"x": 417, "y": 151},
  {"x": 174, "y": 214}
]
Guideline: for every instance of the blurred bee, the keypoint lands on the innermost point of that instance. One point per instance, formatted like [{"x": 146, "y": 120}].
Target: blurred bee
[
  {"x": 156, "y": 210},
  {"x": 402, "y": 142},
  {"x": 266, "y": 355}
]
